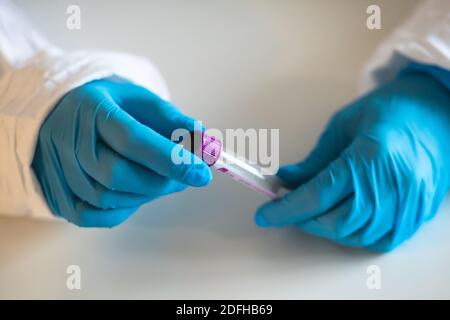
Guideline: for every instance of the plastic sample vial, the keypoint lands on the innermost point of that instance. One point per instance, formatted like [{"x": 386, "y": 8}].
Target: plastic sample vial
[{"x": 211, "y": 152}]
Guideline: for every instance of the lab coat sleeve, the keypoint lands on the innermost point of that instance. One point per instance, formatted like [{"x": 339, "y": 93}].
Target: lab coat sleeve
[
  {"x": 34, "y": 75},
  {"x": 423, "y": 38}
]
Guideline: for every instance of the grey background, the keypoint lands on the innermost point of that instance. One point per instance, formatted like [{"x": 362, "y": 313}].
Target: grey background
[{"x": 232, "y": 64}]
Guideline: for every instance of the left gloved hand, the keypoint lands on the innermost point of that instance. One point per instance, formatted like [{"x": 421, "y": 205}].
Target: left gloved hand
[
  {"x": 380, "y": 169},
  {"x": 105, "y": 149}
]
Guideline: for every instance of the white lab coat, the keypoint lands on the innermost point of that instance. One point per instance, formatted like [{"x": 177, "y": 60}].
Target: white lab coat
[
  {"x": 424, "y": 37},
  {"x": 34, "y": 75}
]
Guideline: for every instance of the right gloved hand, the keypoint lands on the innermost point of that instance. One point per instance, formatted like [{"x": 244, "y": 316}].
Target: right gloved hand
[
  {"x": 105, "y": 150},
  {"x": 380, "y": 170}
]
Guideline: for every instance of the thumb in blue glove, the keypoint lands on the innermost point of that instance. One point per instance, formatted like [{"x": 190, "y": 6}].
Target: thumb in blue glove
[
  {"x": 105, "y": 150},
  {"x": 380, "y": 169}
]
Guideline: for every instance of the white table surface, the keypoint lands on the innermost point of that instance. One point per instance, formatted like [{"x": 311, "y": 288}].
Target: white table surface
[{"x": 233, "y": 64}]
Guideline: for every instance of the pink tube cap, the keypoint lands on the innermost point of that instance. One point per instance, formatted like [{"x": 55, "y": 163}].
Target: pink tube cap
[{"x": 211, "y": 148}]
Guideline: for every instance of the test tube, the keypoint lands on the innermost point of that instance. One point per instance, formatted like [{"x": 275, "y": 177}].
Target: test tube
[{"x": 210, "y": 150}]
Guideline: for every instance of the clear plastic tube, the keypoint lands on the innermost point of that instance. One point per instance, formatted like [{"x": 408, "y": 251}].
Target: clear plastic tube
[
  {"x": 235, "y": 167},
  {"x": 249, "y": 175}
]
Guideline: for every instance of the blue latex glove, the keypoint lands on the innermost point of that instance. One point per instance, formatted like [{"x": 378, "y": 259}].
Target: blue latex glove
[
  {"x": 105, "y": 150},
  {"x": 380, "y": 169}
]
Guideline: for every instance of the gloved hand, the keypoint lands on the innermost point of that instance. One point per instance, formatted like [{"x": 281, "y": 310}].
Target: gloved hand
[
  {"x": 105, "y": 150},
  {"x": 380, "y": 169}
]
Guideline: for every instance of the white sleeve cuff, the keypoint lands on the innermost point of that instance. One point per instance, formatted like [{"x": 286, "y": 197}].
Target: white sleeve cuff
[{"x": 423, "y": 38}]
